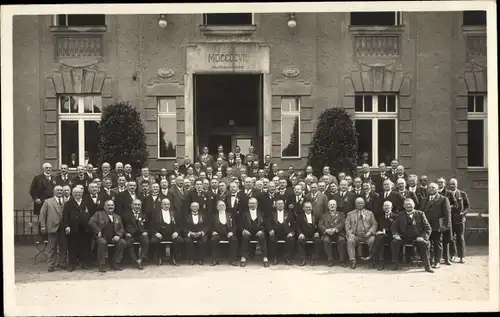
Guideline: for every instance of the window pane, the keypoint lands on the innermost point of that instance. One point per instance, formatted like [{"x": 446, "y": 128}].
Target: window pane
[
  {"x": 167, "y": 136},
  {"x": 228, "y": 19},
  {"x": 475, "y": 143},
  {"x": 368, "y": 103},
  {"x": 290, "y": 137},
  {"x": 365, "y": 142},
  {"x": 470, "y": 104},
  {"x": 358, "y": 103},
  {"x": 92, "y": 139},
  {"x": 479, "y": 103},
  {"x": 386, "y": 141},
  {"x": 69, "y": 104},
  {"x": 69, "y": 143},
  {"x": 391, "y": 103},
  {"x": 373, "y": 18},
  {"x": 289, "y": 104},
  {"x": 474, "y": 17},
  {"x": 61, "y": 20},
  {"x": 382, "y": 103},
  {"x": 87, "y": 104},
  {"x": 86, "y": 20},
  {"x": 167, "y": 105}
]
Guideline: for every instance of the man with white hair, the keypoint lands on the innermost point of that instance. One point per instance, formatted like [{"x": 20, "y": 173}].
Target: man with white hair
[
  {"x": 63, "y": 178},
  {"x": 119, "y": 171},
  {"x": 50, "y": 220},
  {"x": 252, "y": 226},
  {"x": 144, "y": 177},
  {"x": 383, "y": 236},
  {"x": 414, "y": 187},
  {"x": 345, "y": 199},
  {"x": 42, "y": 187},
  {"x": 365, "y": 173},
  {"x": 404, "y": 193},
  {"x": 127, "y": 170},
  {"x": 105, "y": 170},
  {"x": 89, "y": 172},
  {"x": 458, "y": 214}
]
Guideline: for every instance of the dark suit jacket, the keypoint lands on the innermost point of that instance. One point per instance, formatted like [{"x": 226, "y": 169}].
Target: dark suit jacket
[
  {"x": 202, "y": 225},
  {"x": 99, "y": 220},
  {"x": 371, "y": 202},
  {"x": 159, "y": 178},
  {"x": 149, "y": 205},
  {"x": 123, "y": 203},
  {"x": 81, "y": 181},
  {"x": 183, "y": 168},
  {"x": 361, "y": 193},
  {"x": 288, "y": 224},
  {"x": 253, "y": 227},
  {"x": 133, "y": 226},
  {"x": 365, "y": 179},
  {"x": 404, "y": 195},
  {"x": 203, "y": 200},
  {"x": 448, "y": 194},
  {"x": 461, "y": 208},
  {"x": 223, "y": 229},
  {"x": 394, "y": 198},
  {"x": 304, "y": 228},
  {"x": 296, "y": 207},
  {"x": 91, "y": 206},
  {"x": 156, "y": 223},
  {"x": 76, "y": 217},
  {"x": 175, "y": 173},
  {"x": 435, "y": 210},
  {"x": 268, "y": 202},
  {"x": 61, "y": 182},
  {"x": 244, "y": 198},
  {"x": 234, "y": 210},
  {"x": 41, "y": 188},
  {"x": 399, "y": 225},
  {"x": 328, "y": 221},
  {"x": 345, "y": 204},
  {"x": 176, "y": 198},
  {"x": 320, "y": 204},
  {"x": 378, "y": 180}
]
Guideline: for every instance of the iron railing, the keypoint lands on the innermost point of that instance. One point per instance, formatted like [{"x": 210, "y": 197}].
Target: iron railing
[{"x": 25, "y": 227}]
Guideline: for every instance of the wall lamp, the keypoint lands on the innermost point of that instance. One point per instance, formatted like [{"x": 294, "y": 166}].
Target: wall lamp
[
  {"x": 292, "y": 22},
  {"x": 162, "y": 22}
]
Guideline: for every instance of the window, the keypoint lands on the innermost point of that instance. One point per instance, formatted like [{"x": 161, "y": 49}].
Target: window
[
  {"x": 477, "y": 129},
  {"x": 79, "y": 118},
  {"x": 228, "y": 19},
  {"x": 79, "y": 20},
  {"x": 474, "y": 18},
  {"x": 167, "y": 128},
  {"x": 376, "y": 124},
  {"x": 376, "y": 18},
  {"x": 290, "y": 127}
]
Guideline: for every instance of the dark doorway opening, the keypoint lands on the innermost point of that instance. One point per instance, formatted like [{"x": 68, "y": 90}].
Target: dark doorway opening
[{"x": 228, "y": 112}]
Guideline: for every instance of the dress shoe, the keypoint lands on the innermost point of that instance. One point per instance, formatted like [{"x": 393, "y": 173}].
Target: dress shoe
[
  {"x": 159, "y": 261},
  {"x": 373, "y": 265},
  {"x": 447, "y": 262},
  {"x": 395, "y": 267},
  {"x": 234, "y": 263},
  {"x": 275, "y": 261},
  {"x": 243, "y": 263},
  {"x": 102, "y": 268},
  {"x": 428, "y": 269},
  {"x": 85, "y": 267},
  {"x": 380, "y": 267},
  {"x": 343, "y": 264},
  {"x": 436, "y": 265},
  {"x": 302, "y": 263},
  {"x": 174, "y": 262},
  {"x": 312, "y": 263},
  {"x": 288, "y": 262},
  {"x": 266, "y": 263},
  {"x": 366, "y": 258},
  {"x": 191, "y": 262},
  {"x": 200, "y": 262},
  {"x": 62, "y": 266},
  {"x": 139, "y": 266},
  {"x": 71, "y": 268},
  {"x": 462, "y": 260},
  {"x": 116, "y": 267},
  {"x": 453, "y": 259},
  {"x": 51, "y": 269},
  {"x": 353, "y": 265},
  {"x": 214, "y": 263},
  {"x": 330, "y": 263}
]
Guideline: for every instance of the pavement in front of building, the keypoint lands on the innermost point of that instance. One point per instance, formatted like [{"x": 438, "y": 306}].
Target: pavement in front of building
[{"x": 254, "y": 289}]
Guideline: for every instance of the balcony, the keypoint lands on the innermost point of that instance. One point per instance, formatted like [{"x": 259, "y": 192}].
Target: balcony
[
  {"x": 78, "y": 44},
  {"x": 376, "y": 41}
]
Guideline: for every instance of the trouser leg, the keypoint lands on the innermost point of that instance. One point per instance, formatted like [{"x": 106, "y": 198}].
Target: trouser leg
[
  {"x": 83, "y": 242},
  {"x": 121, "y": 245},
  {"x": 436, "y": 241},
  {"x": 130, "y": 248},
  {"x": 273, "y": 241},
  {"x": 289, "y": 245},
  {"x": 376, "y": 252},
  {"x": 73, "y": 248},
  {"x": 144, "y": 241},
  {"x": 156, "y": 246},
  {"x": 423, "y": 249},
  {"x": 263, "y": 245},
  {"x": 301, "y": 248},
  {"x": 233, "y": 247},
  {"x": 459, "y": 231},
  {"x": 215, "y": 246},
  {"x": 341, "y": 248},
  {"x": 102, "y": 248},
  {"x": 244, "y": 246},
  {"x": 447, "y": 241},
  {"x": 202, "y": 248},
  {"x": 396, "y": 246},
  {"x": 317, "y": 248},
  {"x": 53, "y": 239},
  {"x": 327, "y": 245},
  {"x": 63, "y": 247},
  {"x": 190, "y": 248},
  {"x": 351, "y": 247}
]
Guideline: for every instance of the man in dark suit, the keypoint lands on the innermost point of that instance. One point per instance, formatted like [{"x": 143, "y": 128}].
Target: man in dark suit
[
  {"x": 383, "y": 235},
  {"x": 63, "y": 178},
  {"x": 458, "y": 214},
  {"x": 365, "y": 174},
  {"x": 252, "y": 226},
  {"x": 247, "y": 193},
  {"x": 107, "y": 227},
  {"x": 121, "y": 181},
  {"x": 106, "y": 193},
  {"x": 129, "y": 175},
  {"x": 187, "y": 164},
  {"x": 332, "y": 229},
  {"x": 152, "y": 201},
  {"x": 448, "y": 234},
  {"x": 437, "y": 209},
  {"x": 119, "y": 171},
  {"x": 105, "y": 170},
  {"x": 404, "y": 193},
  {"x": 124, "y": 200},
  {"x": 411, "y": 227},
  {"x": 371, "y": 197},
  {"x": 281, "y": 226},
  {"x": 357, "y": 188},
  {"x": 92, "y": 200},
  {"x": 224, "y": 228},
  {"x": 42, "y": 188},
  {"x": 379, "y": 178},
  {"x": 197, "y": 169},
  {"x": 233, "y": 201},
  {"x": 89, "y": 173},
  {"x": 196, "y": 229},
  {"x": 400, "y": 173},
  {"x": 284, "y": 192},
  {"x": 393, "y": 170},
  {"x": 75, "y": 223},
  {"x": 268, "y": 162},
  {"x": 345, "y": 199},
  {"x": 163, "y": 175},
  {"x": 390, "y": 195},
  {"x": 176, "y": 195},
  {"x": 202, "y": 198},
  {"x": 319, "y": 201},
  {"x": 307, "y": 226},
  {"x": 165, "y": 225},
  {"x": 144, "y": 178},
  {"x": 135, "y": 224},
  {"x": 80, "y": 178},
  {"x": 414, "y": 187},
  {"x": 296, "y": 202},
  {"x": 175, "y": 170}
]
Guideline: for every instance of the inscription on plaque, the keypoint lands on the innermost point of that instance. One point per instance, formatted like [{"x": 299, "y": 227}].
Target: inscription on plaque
[{"x": 227, "y": 60}]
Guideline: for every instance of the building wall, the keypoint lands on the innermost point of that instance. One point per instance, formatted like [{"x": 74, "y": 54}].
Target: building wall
[{"x": 428, "y": 73}]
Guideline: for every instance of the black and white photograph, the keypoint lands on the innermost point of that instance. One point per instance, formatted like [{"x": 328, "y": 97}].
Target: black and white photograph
[{"x": 250, "y": 158}]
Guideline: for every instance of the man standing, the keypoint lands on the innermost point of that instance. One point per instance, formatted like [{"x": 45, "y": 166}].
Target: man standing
[
  {"x": 448, "y": 234},
  {"x": 136, "y": 231},
  {"x": 404, "y": 193},
  {"x": 206, "y": 157},
  {"x": 357, "y": 190},
  {"x": 365, "y": 173},
  {"x": 63, "y": 178},
  {"x": 437, "y": 210},
  {"x": 389, "y": 195},
  {"x": 106, "y": 193},
  {"x": 360, "y": 226},
  {"x": 413, "y": 187},
  {"x": 223, "y": 229},
  {"x": 121, "y": 181},
  {"x": 119, "y": 171},
  {"x": 409, "y": 227},
  {"x": 332, "y": 229},
  {"x": 308, "y": 229},
  {"x": 281, "y": 226},
  {"x": 176, "y": 196},
  {"x": 371, "y": 198},
  {"x": 105, "y": 170},
  {"x": 252, "y": 226},
  {"x": 196, "y": 229},
  {"x": 128, "y": 172},
  {"x": 319, "y": 201},
  {"x": 345, "y": 199},
  {"x": 75, "y": 223},
  {"x": 383, "y": 236},
  {"x": 152, "y": 201},
  {"x": 163, "y": 175},
  {"x": 50, "y": 219},
  {"x": 107, "y": 227},
  {"x": 42, "y": 188},
  {"x": 380, "y": 178},
  {"x": 124, "y": 199},
  {"x": 296, "y": 202},
  {"x": 187, "y": 164},
  {"x": 458, "y": 214},
  {"x": 81, "y": 178},
  {"x": 201, "y": 198},
  {"x": 144, "y": 177}
]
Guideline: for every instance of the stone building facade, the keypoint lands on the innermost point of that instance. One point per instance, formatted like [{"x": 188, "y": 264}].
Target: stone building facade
[{"x": 415, "y": 82}]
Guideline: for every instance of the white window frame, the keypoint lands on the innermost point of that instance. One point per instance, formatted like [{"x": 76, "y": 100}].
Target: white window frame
[
  {"x": 203, "y": 18},
  {"x": 56, "y": 23},
  {"x": 398, "y": 19},
  {"x": 165, "y": 115},
  {"x": 290, "y": 114},
  {"x": 375, "y": 116},
  {"x": 79, "y": 117},
  {"x": 480, "y": 116}
]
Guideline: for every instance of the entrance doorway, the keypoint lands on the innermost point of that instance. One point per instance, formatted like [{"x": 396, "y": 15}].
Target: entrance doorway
[{"x": 228, "y": 112}]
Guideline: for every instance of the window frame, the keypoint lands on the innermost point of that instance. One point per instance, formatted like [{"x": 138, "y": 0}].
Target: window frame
[
  {"x": 56, "y": 23},
  {"x": 398, "y": 20},
  {"x": 290, "y": 114},
  {"x": 165, "y": 115},
  {"x": 204, "y": 20},
  {"x": 375, "y": 116},
  {"x": 79, "y": 117},
  {"x": 479, "y": 116},
  {"x": 474, "y": 25}
]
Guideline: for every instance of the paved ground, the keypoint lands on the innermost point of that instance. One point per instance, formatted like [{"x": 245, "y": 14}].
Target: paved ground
[{"x": 225, "y": 289}]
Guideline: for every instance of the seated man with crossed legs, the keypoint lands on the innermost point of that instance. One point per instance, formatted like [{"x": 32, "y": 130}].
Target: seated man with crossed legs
[
  {"x": 196, "y": 228},
  {"x": 252, "y": 226},
  {"x": 307, "y": 228},
  {"x": 332, "y": 228},
  {"x": 224, "y": 228}
]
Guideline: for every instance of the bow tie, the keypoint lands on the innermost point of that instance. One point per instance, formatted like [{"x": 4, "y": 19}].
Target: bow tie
[{"x": 94, "y": 196}]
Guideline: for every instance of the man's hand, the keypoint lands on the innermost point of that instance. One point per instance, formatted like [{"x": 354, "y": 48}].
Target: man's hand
[
  {"x": 201, "y": 233},
  {"x": 128, "y": 235},
  {"x": 159, "y": 236},
  {"x": 334, "y": 230},
  {"x": 214, "y": 233},
  {"x": 420, "y": 239},
  {"x": 145, "y": 234},
  {"x": 316, "y": 235},
  {"x": 229, "y": 235},
  {"x": 368, "y": 234},
  {"x": 259, "y": 233},
  {"x": 302, "y": 236},
  {"x": 351, "y": 236},
  {"x": 190, "y": 234},
  {"x": 99, "y": 234},
  {"x": 290, "y": 235},
  {"x": 380, "y": 232},
  {"x": 246, "y": 232},
  {"x": 397, "y": 237},
  {"x": 43, "y": 230},
  {"x": 67, "y": 230},
  {"x": 175, "y": 235},
  {"x": 115, "y": 239},
  {"x": 38, "y": 201},
  {"x": 271, "y": 233}
]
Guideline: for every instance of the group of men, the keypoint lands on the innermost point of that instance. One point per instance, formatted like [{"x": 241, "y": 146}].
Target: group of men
[{"x": 235, "y": 200}]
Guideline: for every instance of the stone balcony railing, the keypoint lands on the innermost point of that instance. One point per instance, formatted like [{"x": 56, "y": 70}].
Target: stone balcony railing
[
  {"x": 475, "y": 41},
  {"x": 376, "y": 41},
  {"x": 78, "y": 43}
]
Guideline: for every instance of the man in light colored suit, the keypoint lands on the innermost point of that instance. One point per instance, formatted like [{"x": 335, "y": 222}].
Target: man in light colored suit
[
  {"x": 360, "y": 226},
  {"x": 319, "y": 201},
  {"x": 50, "y": 218},
  {"x": 144, "y": 177}
]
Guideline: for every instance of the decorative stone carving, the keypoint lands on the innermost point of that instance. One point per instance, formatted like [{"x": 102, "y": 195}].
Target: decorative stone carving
[
  {"x": 79, "y": 46},
  {"x": 165, "y": 73},
  {"x": 476, "y": 46},
  {"x": 480, "y": 183},
  {"x": 291, "y": 72},
  {"x": 376, "y": 45}
]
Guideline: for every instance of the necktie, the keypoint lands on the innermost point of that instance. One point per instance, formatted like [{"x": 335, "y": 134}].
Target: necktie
[
  {"x": 386, "y": 194},
  {"x": 60, "y": 201}
]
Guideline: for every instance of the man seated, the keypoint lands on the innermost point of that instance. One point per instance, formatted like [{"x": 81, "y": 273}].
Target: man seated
[
  {"x": 332, "y": 229},
  {"x": 360, "y": 226},
  {"x": 196, "y": 230},
  {"x": 281, "y": 226},
  {"x": 136, "y": 231},
  {"x": 108, "y": 228},
  {"x": 224, "y": 228},
  {"x": 411, "y": 227},
  {"x": 383, "y": 236},
  {"x": 252, "y": 225},
  {"x": 164, "y": 225},
  {"x": 307, "y": 228}
]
